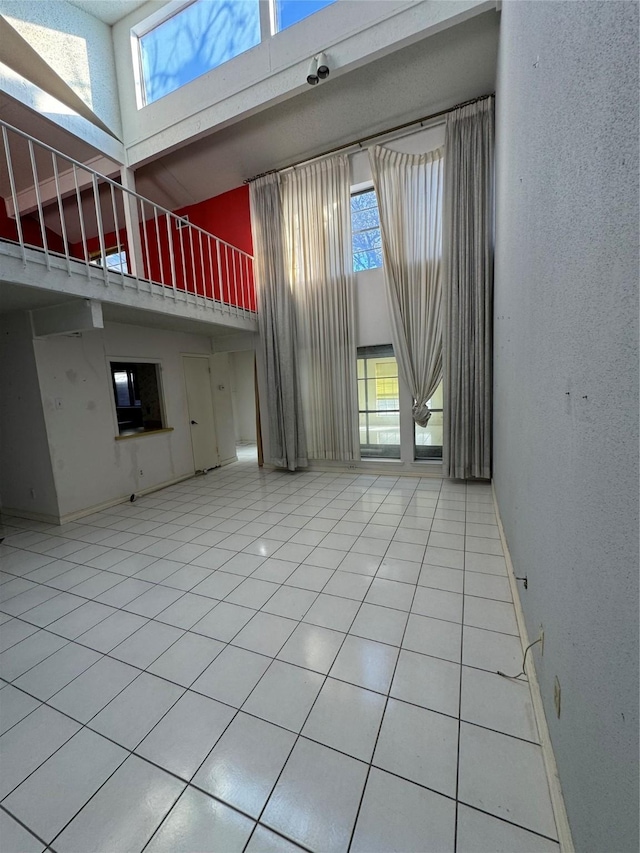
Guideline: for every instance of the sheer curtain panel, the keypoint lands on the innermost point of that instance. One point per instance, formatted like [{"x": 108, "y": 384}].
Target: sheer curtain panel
[
  {"x": 277, "y": 326},
  {"x": 468, "y": 290},
  {"x": 409, "y": 191},
  {"x": 316, "y": 207}
]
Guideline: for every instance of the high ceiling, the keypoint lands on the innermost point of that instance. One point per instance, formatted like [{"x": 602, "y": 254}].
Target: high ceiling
[
  {"x": 456, "y": 64},
  {"x": 108, "y": 11}
]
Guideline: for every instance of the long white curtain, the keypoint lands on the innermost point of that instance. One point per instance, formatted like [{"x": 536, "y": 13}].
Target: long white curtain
[
  {"x": 316, "y": 215},
  {"x": 276, "y": 322},
  {"x": 409, "y": 191},
  {"x": 468, "y": 290}
]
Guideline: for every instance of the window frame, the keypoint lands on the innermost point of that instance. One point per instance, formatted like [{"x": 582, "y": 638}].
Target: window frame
[
  {"x": 97, "y": 258},
  {"x": 354, "y": 193},
  {"x": 366, "y": 353},
  {"x": 125, "y": 361},
  {"x": 427, "y": 457}
]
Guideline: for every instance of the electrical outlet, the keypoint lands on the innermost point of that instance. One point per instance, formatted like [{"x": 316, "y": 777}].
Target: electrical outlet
[
  {"x": 141, "y": 472},
  {"x": 557, "y": 696}
]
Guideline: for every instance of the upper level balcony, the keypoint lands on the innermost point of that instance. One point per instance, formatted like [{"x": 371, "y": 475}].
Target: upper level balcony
[{"x": 71, "y": 232}]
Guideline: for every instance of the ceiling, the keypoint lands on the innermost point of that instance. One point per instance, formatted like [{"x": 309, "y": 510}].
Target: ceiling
[
  {"x": 108, "y": 11},
  {"x": 445, "y": 69}
]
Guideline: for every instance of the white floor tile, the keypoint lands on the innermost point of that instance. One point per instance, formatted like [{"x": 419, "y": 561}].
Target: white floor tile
[
  {"x": 186, "y": 611},
  {"x": 290, "y": 602},
  {"x": 393, "y": 569},
  {"x": 380, "y": 623},
  {"x": 223, "y": 621},
  {"x": 398, "y": 815},
  {"x": 93, "y": 689},
  {"x": 264, "y": 840},
  {"x": 30, "y": 742},
  {"x": 265, "y": 633},
  {"x": 312, "y": 647},
  {"x": 252, "y": 593},
  {"x": 316, "y": 799},
  {"x": 146, "y": 644},
  {"x": 310, "y": 577},
  {"x": 109, "y": 630},
  {"x": 129, "y": 717},
  {"x": 232, "y": 676},
  {"x": 390, "y": 594},
  {"x": 498, "y": 703},
  {"x": 51, "y": 796},
  {"x": 516, "y": 789},
  {"x": 419, "y": 745},
  {"x": 346, "y": 718},
  {"x": 427, "y": 681},
  {"x": 13, "y": 631},
  {"x": 28, "y": 653},
  {"x": 365, "y": 663},
  {"x": 447, "y": 557},
  {"x": 492, "y": 615},
  {"x": 186, "y": 659},
  {"x": 14, "y": 706},
  {"x": 299, "y": 686},
  {"x": 437, "y": 603},
  {"x": 486, "y": 563},
  {"x": 492, "y": 651},
  {"x": 433, "y": 637},
  {"x": 122, "y": 816},
  {"x": 55, "y": 672},
  {"x": 328, "y": 611},
  {"x": 245, "y": 763},
  {"x": 186, "y": 734},
  {"x": 437, "y": 577},
  {"x": 15, "y": 837},
  {"x": 197, "y": 822},
  {"x": 479, "y": 831},
  {"x": 487, "y": 586}
]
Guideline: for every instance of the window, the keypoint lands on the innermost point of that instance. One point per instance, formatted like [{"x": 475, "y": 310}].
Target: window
[
  {"x": 378, "y": 403},
  {"x": 115, "y": 260},
  {"x": 365, "y": 231},
  {"x": 284, "y": 13},
  {"x": 428, "y": 440},
  {"x": 136, "y": 391},
  {"x": 201, "y": 36}
]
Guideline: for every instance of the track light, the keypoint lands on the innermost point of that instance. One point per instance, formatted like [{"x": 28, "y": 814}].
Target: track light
[
  {"x": 323, "y": 68},
  {"x": 312, "y": 76}
]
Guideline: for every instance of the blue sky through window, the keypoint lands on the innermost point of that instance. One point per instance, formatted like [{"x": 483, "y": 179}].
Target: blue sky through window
[
  {"x": 365, "y": 231},
  {"x": 289, "y": 12},
  {"x": 197, "y": 39}
]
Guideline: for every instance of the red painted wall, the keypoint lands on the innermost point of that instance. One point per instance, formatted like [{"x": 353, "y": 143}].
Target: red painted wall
[
  {"x": 223, "y": 275},
  {"x": 31, "y": 233},
  {"x": 197, "y": 265}
]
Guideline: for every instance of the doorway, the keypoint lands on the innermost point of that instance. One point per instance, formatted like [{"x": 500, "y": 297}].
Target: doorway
[
  {"x": 197, "y": 374},
  {"x": 243, "y": 395}
]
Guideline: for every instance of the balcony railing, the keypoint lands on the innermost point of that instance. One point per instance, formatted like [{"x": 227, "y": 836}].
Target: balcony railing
[{"x": 65, "y": 209}]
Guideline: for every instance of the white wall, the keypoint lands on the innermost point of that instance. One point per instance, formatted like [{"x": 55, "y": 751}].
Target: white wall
[
  {"x": 243, "y": 394},
  {"x": 566, "y": 384},
  {"x": 354, "y": 31},
  {"x": 223, "y": 407},
  {"x": 90, "y": 466},
  {"x": 26, "y": 478},
  {"x": 79, "y": 49}
]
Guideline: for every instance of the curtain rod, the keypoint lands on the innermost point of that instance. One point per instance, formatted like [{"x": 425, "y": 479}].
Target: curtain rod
[{"x": 371, "y": 136}]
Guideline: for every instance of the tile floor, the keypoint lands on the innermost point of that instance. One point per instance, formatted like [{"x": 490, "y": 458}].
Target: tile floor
[{"x": 266, "y": 661}]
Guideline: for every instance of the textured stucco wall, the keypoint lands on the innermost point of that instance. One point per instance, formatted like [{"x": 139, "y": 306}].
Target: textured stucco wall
[
  {"x": 566, "y": 384},
  {"x": 78, "y": 48}
]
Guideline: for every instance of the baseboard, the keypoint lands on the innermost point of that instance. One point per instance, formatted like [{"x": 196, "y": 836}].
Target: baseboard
[
  {"x": 228, "y": 461},
  {"x": 555, "y": 789},
  {"x": 374, "y": 468},
  {"x": 81, "y": 513},
  {"x": 31, "y": 516}
]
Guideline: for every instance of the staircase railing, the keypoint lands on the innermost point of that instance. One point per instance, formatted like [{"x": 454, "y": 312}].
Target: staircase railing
[{"x": 66, "y": 209}]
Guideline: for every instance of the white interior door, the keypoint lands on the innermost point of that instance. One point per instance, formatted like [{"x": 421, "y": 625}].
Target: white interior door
[{"x": 201, "y": 418}]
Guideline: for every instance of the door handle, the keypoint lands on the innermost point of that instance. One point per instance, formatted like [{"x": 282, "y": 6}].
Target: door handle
[{"x": 195, "y": 423}]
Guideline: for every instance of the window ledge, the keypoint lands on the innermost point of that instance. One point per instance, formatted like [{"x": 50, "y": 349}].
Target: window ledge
[{"x": 142, "y": 433}]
